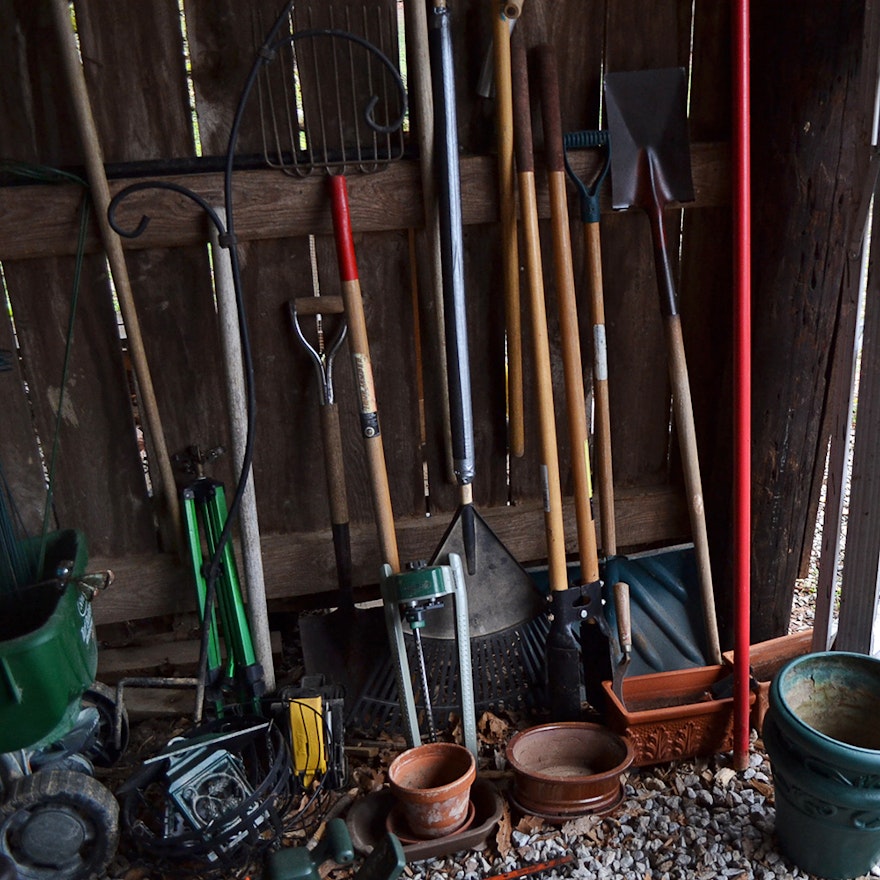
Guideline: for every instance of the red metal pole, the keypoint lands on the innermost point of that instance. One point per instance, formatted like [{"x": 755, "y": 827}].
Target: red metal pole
[{"x": 743, "y": 374}]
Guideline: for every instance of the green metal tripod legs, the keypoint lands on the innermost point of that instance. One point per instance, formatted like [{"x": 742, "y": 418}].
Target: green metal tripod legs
[{"x": 204, "y": 505}]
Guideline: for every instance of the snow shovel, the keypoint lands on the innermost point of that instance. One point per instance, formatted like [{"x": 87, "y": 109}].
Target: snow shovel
[{"x": 650, "y": 169}]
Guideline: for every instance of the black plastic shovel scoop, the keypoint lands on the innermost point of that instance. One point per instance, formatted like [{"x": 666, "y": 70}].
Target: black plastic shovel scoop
[{"x": 651, "y": 169}]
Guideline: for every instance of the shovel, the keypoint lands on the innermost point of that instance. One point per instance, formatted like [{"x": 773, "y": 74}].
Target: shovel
[{"x": 650, "y": 169}]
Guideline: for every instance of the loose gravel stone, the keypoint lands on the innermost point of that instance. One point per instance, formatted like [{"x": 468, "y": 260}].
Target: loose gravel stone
[{"x": 684, "y": 821}]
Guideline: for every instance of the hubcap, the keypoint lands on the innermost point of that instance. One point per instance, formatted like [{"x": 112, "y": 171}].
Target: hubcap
[{"x": 53, "y": 836}]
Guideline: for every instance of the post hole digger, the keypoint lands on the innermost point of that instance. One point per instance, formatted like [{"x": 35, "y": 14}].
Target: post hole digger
[{"x": 579, "y": 639}]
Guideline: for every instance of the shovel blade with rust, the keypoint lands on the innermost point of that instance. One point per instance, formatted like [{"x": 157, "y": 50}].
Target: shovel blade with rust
[
  {"x": 651, "y": 169},
  {"x": 651, "y": 159}
]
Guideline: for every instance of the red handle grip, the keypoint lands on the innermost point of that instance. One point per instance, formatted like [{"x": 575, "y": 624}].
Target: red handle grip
[{"x": 348, "y": 270}]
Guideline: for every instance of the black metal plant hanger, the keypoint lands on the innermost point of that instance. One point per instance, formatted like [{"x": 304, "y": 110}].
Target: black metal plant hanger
[{"x": 227, "y": 239}]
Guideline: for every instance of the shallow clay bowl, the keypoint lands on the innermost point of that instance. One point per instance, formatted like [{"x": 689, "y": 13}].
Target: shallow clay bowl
[{"x": 568, "y": 768}]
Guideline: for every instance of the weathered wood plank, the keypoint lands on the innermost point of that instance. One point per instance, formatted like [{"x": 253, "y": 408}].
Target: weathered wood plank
[
  {"x": 379, "y": 202},
  {"x": 98, "y": 484},
  {"x": 22, "y": 470},
  {"x": 861, "y": 561},
  {"x": 638, "y": 387},
  {"x": 810, "y": 179},
  {"x": 180, "y": 656},
  {"x": 156, "y": 584}
]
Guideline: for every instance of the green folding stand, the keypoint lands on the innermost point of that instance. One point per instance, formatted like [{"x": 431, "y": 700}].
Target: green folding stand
[{"x": 205, "y": 512}]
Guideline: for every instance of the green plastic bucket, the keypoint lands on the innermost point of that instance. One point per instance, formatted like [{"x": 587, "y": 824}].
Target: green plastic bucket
[
  {"x": 48, "y": 653},
  {"x": 822, "y": 733}
]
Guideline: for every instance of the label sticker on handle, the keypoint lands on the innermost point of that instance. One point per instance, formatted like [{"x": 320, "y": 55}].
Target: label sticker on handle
[
  {"x": 366, "y": 393},
  {"x": 545, "y": 487},
  {"x": 600, "y": 351}
]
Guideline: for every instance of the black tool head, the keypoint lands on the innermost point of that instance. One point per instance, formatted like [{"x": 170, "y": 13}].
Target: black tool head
[{"x": 647, "y": 120}]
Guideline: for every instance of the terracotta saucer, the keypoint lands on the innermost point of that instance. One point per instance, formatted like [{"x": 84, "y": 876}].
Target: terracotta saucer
[
  {"x": 367, "y": 815},
  {"x": 564, "y": 816},
  {"x": 396, "y": 823}
]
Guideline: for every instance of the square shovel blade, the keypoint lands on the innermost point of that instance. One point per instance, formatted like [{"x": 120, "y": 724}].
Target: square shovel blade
[{"x": 650, "y": 147}]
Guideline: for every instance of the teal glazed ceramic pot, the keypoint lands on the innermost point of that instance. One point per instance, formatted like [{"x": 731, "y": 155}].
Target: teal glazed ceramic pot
[{"x": 822, "y": 734}]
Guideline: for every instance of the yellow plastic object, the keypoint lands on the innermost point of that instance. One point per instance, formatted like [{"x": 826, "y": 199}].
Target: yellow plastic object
[{"x": 307, "y": 736}]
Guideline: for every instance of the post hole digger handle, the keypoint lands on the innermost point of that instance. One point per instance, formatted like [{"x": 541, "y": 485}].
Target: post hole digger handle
[
  {"x": 581, "y": 604},
  {"x": 525, "y": 168},
  {"x": 363, "y": 370},
  {"x": 568, "y": 319}
]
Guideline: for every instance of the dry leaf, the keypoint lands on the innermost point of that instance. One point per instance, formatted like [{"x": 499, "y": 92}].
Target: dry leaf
[
  {"x": 368, "y": 779},
  {"x": 503, "y": 834},
  {"x": 764, "y": 788},
  {"x": 582, "y": 827},
  {"x": 528, "y": 824},
  {"x": 493, "y": 729},
  {"x": 725, "y": 776}
]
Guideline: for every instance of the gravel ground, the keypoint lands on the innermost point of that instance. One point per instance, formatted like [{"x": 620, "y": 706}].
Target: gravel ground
[
  {"x": 688, "y": 819},
  {"x": 681, "y": 820}
]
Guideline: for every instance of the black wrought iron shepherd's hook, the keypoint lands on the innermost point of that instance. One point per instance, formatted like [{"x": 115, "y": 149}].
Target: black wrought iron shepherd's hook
[{"x": 227, "y": 239}]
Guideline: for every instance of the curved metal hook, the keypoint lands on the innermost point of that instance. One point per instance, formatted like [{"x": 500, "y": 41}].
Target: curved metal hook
[
  {"x": 145, "y": 219},
  {"x": 270, "y": 48}
]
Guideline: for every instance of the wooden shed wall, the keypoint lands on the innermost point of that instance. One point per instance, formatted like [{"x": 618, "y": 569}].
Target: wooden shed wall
[{"x": 136, "y": 73}]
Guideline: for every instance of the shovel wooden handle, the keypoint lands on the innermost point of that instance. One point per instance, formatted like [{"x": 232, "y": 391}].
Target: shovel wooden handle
[
  {"x": 683, "y": 413},
  {"x": 604, "y": 470},
  {"x": 363, "y": 370},
  {"x": 509, "y": 248},
  {"x": 572, "y": 362},
  {"x": 525, "y": 165}
]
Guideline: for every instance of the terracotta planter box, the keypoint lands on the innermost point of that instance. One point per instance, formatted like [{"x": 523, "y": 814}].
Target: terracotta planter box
[
  {"x": 671, "y": 715},
  {"x": 766, "y": 659}
]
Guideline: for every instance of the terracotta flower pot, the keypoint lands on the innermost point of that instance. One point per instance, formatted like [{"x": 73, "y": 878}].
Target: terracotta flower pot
[
  {"x": 432, "y": 784},
  {"x": 568, "y": 769},
  {"x": 672, "y": 715}
]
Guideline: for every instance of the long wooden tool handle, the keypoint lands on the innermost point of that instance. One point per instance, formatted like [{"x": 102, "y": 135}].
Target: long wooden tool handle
[
  {"x": 363, "y": 370},
  {"x": 687, "y": 437},
  {"x": 604, "y": 470},
  {"x": 331, "y": 434},
  {"x": 334, "y": 468},
  {"x": 509, "y": 246},
  {"x": 100, "y": 192},
  {"x": 525, "y": 165},
  {"x": 422, "y": 101},
  {"x": 624, "y": 619},
  {"x": 683, "y": 412},
  {"x": 568, "y": 319}
]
